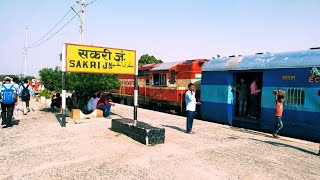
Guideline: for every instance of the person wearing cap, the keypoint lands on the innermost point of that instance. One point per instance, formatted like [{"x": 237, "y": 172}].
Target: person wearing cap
[{"x": 8, "y": 101}]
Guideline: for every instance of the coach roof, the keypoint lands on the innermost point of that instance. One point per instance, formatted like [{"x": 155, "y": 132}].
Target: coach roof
[
  {"x": 165, "y": 66},
  {"x": 299, "y": 59}
]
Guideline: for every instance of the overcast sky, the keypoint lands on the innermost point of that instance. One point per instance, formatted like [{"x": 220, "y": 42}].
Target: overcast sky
[{"x": 171, "y": 30}]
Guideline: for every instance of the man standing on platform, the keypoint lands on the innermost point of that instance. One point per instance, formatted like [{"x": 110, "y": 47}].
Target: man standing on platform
[
  {"x": 190, "y": 97},
  {"x": 8, "y": 100}
]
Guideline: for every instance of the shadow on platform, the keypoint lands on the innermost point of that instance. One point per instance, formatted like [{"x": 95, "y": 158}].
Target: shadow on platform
[
  {"x": 56, "y": 113},
  {"x": 174, "y": 127},
  {"x": 45, "y": 109},
  {"x": 59, "y": 119},
  {"x": 285, "y": 145}
]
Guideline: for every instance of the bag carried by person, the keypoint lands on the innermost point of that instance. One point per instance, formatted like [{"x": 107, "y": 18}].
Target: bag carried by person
[
  {"x": 7, "y": 95},
  {"x": 15, "y": 112},
  {"x": 25, "y": 93}
]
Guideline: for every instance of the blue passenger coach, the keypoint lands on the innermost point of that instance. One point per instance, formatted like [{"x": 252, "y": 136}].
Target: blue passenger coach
[{"x": 291, "y": 72}]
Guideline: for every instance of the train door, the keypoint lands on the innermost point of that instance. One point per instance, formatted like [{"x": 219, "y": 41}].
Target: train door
[{"x": 247, "y": 106}]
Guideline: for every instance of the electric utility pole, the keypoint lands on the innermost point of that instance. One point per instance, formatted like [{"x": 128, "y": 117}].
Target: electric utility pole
[
  {"x": 82, "y": 21},
  {"x": 25, "y": 49}
]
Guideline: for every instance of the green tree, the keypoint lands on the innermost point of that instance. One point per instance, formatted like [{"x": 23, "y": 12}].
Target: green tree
[
  {"x": 51, "y": 78},
  {"x": 83, "y": 85},
  {"x": 147, "y": 59},
  {"x": 10, "y": 75},
  {"x": 19, "y": 76}
]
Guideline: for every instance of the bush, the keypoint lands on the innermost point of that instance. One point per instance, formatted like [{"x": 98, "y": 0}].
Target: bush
[
  {"x": 46, "y": 93},
  {"x": 38, "y": 97}
]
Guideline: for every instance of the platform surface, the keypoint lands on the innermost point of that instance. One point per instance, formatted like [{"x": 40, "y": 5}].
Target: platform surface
[{"x": 39, "y": 148}]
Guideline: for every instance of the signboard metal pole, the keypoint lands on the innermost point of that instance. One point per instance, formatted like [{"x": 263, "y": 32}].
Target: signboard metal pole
[
  {"x": 135, "y": 108},
  {"x": 63, "y": 123},
  {"x": 63, "y": 69}
]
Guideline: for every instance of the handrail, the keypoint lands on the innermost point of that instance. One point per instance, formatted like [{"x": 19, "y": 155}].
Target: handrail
[
  {"x": 296, "y": 97},
  {"x": 300, "y": 97},
  {"x": 145, "y": 90},
  {"x": 181, "y": 95},
  {"x": 290, "y": 98},
  {"x": 286, "y": 97}
]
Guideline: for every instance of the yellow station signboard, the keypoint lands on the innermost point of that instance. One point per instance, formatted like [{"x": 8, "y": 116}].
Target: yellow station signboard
[{"x": 92, "y": 59}]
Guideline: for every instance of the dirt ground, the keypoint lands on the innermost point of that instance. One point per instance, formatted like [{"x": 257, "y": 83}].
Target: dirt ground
[{"x": 39, "y": 148}]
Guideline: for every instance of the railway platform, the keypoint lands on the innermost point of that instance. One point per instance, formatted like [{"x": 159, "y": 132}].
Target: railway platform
[{"x": 39, "y": 148}]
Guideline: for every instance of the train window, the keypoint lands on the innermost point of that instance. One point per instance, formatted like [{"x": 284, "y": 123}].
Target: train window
[
  {"x": 294, "y": 97},
  {"x": 159, "y": 79},
  {"x": 143, "y": 73},
  {"x": 172, "y": 77},
  {"x": 147, "y": 81}
]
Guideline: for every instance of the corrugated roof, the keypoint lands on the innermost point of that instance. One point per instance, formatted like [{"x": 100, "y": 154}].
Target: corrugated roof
[
  {"x": 148, "y": 65},
  {"x": 165, "y": 66},
  {"x": 309, "y": 58}
]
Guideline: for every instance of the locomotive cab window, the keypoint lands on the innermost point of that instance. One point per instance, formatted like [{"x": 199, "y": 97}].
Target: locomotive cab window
[
  {"x": 143, "y": 73},
  {"x": 159, "y": 79},
  {"x": 172, "y": 77}
]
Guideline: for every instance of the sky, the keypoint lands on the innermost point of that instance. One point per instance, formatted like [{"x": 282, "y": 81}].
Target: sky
[{"x": 171, "y": 30}]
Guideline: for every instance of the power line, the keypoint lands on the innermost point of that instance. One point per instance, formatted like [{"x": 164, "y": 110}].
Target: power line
[
  {"x": 87, "y": 3},
  {"x": 54, "y": 33},
  {"x": 91, "y": 2},
  {"x": 52, "y": 27},
  {"x": 33, "y": 45}
]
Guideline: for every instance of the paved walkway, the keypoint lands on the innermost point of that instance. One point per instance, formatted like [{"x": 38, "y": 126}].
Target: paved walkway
[{"x": 39, "y": 148}]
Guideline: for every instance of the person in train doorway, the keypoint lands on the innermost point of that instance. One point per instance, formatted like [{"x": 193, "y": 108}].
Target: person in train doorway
[
  {"x": 24, "y": 92},
  {"x": 191, "y": 103},
  {"x": 254, "y": 93},
  {"x": 278, "y": 114},
  {"x": 8, "y": 101},
  {"x": 242, "y": 89}
]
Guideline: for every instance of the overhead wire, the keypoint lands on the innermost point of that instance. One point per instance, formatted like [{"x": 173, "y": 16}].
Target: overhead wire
[
  {"x": 79, "y": 2},
  {"x": 33, "y": 45},
  {"x": 53, "y": 27},
  {"x": 91, "y": 2},
  {"x": 55, "y": 32}
]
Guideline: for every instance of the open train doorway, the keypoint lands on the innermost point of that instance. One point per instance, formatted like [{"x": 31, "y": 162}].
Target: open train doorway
[{"x": 247, "y": 96}]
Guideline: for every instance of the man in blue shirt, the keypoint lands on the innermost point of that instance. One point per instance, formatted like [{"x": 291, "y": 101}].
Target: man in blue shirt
[
  {"x": 190, "y": 97},
  {"x": 8, "y": 100}
]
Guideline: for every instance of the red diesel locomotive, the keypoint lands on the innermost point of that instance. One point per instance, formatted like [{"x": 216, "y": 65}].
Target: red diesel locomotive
[{"x": 161, "y": 85}]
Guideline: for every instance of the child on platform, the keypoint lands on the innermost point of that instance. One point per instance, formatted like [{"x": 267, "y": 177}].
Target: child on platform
[{"x": 278, "y": 114}]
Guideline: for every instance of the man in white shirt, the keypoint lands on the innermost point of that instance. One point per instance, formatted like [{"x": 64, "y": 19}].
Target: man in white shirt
[
  {"x": 89, "y": 104},
  {"x": 190, "y": 97},
  {"x": 95, "y": 101}
]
